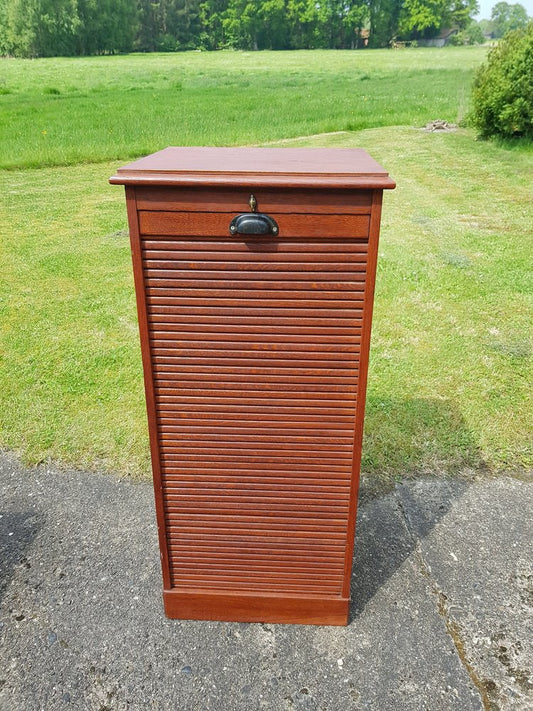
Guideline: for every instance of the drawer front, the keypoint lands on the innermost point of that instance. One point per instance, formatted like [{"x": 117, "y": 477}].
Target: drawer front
[
  {"x": 255, "y": 349},
  {"x": 357, "y": 202},
  {"x": 216, "y": 224}
]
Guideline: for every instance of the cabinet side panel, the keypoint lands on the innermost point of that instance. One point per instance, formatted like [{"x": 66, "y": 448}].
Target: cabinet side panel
[
  {"x": 375, "y": 220},
  {"x": 140, "y": 294}
]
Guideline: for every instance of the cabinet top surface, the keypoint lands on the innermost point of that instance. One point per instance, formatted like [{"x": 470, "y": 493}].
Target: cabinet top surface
[{"x": 290, "y": 167}]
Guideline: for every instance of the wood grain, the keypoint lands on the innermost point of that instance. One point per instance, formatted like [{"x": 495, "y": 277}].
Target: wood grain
[
  {"x": 216, "y": 224},
  {"x": 255, "y": 353},
  {"x": 240, "y": 351},
  {"x": 243, "y": 168},
  {"x": 279, "y": 201},
  {"x": 319, "y": 609}
]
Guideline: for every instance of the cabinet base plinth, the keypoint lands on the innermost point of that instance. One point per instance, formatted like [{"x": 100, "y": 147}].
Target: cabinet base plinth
[{"x": 239, "y": 607}]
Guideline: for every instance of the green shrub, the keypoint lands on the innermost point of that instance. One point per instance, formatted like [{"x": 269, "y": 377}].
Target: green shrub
[
  {"x": 456, "y": 40},
  {"x": 502, "y": 93}
]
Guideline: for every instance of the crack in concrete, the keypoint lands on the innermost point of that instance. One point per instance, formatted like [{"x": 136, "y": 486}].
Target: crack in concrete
[{"x": 452, "y": 627}]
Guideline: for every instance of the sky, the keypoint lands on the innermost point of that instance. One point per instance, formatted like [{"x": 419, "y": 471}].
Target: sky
[{"x": 485, "y": 7}]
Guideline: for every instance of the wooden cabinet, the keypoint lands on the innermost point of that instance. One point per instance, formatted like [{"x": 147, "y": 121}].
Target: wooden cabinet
[{"x": 255, "y": 352}]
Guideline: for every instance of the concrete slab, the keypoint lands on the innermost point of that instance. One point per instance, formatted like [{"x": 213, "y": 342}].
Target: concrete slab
[
  {"x": 479, "y": 558},
  {"x": 82, "y": 625}
]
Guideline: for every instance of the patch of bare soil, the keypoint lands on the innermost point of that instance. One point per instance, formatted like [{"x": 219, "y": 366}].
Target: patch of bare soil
[{"x": 439, "y": 125}]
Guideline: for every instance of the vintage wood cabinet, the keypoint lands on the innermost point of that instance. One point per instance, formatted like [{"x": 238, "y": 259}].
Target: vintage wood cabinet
[{"x": 254, "y": 273}]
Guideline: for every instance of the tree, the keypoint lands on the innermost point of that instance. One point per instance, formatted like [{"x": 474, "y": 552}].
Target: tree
[
  {"x": 52, "y": 27},
  {"x": 274, "y": 30},
  {"x": 301, "y": 17},
  {"x": 354, "y": 21},
  {"x": 3, "y": 28},
  {"x": 152, "y": 24},
  {"x": 107, "y": 26},
  {"x": 461, "y": 13},
  {"x": 507, "y": 17},
  {"x": 211, "y": 13},
  {"x": 242, "y": 24},
  {"x": 340, "y": 22},
  {"x": 474, "y": 34},
  {"x": 384, "y": 16},
  {"x": 184, "y": 25},
  {"x": 40, "y": 28},
  {"x": 418, "y": 18},
  {"x": 19, "y": 28},
  {"x": 486, "y": 27}
]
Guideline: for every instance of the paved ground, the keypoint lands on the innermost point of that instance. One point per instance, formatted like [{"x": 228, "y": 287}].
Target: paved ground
[{"x": 441, "y": 619}]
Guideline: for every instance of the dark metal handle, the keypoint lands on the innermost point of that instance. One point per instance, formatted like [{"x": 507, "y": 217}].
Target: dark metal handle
[{"x": 253, "y": 223}]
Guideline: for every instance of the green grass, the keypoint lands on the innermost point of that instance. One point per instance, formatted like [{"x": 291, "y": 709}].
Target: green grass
[
  {"x": 451, "y": 368},
  {"x": 66, "y": 111},
  {"x": 69, "y": 371},
  {"x": 451, "y": 358}
]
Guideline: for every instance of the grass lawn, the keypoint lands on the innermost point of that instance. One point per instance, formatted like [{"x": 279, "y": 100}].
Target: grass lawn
[
  {"x": 450, "y": 379},
  {"x": 68, "y": 111}
]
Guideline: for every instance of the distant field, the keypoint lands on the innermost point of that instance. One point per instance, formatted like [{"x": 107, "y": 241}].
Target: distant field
[
  {"x": 451, "y": 360},
  {"x": 66, "y": 111}
]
